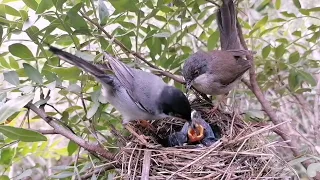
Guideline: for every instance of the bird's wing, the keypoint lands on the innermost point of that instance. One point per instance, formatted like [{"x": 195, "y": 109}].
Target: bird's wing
[
  {"x": 83, "y": 64},
  {"x": 239, "y": 69},
  {"x": 133, "y": 84}
]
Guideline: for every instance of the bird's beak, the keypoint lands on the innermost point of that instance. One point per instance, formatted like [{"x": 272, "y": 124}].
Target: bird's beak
[{"x": 188, "y": 86}]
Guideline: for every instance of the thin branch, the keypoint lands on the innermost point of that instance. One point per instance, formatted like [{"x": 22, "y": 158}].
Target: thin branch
[
  {"x": 68, "y": 134},
  {"x": 291, "y": 142},
  {"x": 46, "y": 131},
  {"x": 125, "y": 49},
  {"x": 98, "y": 171}
]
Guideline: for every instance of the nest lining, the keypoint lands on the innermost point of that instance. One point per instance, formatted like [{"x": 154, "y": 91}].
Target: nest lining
[{"x": 239, "y": 154}]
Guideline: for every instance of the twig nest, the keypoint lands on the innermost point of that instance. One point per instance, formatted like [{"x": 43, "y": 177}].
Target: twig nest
[{"x": 240, "y": 153}]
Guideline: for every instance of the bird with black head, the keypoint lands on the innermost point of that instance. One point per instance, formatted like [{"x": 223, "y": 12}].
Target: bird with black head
[{"x": 136, "y": 94}]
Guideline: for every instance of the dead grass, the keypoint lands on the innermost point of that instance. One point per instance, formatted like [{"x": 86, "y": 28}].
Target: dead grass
[{"x": 243, "y": 152}]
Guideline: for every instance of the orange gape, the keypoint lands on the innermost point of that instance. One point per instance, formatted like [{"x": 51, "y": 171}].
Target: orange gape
[{"x": 196, "y": 135}]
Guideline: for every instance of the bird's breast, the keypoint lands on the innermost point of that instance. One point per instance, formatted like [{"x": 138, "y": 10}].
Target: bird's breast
[{"x": 209, "y": 84}]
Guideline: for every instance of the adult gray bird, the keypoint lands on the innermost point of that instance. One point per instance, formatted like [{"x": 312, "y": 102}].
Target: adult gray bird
[
  {"x": 217, "y": 72},
  {"x": 136, "y": 94}
]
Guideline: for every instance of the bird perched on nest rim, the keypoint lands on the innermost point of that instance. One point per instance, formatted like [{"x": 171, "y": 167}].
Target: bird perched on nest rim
[
  {"x": 217, "y": 72},
  {"x": 136, "y": 94}
]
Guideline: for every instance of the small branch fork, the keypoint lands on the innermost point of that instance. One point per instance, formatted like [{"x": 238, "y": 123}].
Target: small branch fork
[{"x": 59, "y": 129}]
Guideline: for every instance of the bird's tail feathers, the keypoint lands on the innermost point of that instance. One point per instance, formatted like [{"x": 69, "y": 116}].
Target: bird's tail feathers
[
  {"x": 227, "y": 24},
  {"x": 79, "y": 62}
]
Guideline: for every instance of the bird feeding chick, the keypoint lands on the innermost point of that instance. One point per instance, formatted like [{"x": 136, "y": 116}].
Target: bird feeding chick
[
  {"x": 136, "y": 94},
  {"x": 219, "y": 71}
]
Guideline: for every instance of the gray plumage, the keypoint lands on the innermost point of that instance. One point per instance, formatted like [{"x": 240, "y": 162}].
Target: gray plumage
[
  {"x": 179, "y": 138},
  {"x": 136, "y": 94}
]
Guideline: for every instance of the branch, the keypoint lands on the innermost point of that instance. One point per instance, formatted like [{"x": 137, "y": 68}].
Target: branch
[
  {"x": 125, "y": 49},
  {"x": 291, "y": 141},
  {"x": 68, "y": 134},
  {"x": 97, "y": 171},
  {"x": 44, "y": 132}
]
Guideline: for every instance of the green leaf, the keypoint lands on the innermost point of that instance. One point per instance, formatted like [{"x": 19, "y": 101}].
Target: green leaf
[
  {"x": 4, "y": 177},
  {"x": 71, "y": 73},
  {"x": 212, "y": 40},
  {"x": 93, "y": 109},
  {"x": 313, "y": 169},
  {"x": 308, "y": 77},
  {"x": 21, "y": 51},
  {"x": 262, "y": 22},
  {"x": 297, "y": 3},
  {"x": 31, "y": 4},
  {"x": 103, "y": 12},
  {"x": 304, "y": 12},
  {"x": 32, "y": 73},
  {"x": 209, "y": 20},
  {"x": 302, "y": 90},
  {"x": 6, "y": 156},
  {"x": 24, "y": 15},
  {"x": 13, "y": 63},
  {"x": 294, "y": 57},
  {"x": 76, "y": 21},
  {"x": 21, "y": 134},
  {"x": 266, "y": 51},
  {"x": 125, "y": 5},
  {"x": 1, "y": 33},
  {"x": 4, "y": 63},
  {"x": 44, "y": 5},
  {"x": 58, "y": 4},
  {"x": 315, "y": 9},
  {"x": 192, "y": 28},
  {"x": 278, "y": 4},
  {"x": 11, "y": 11},
  {"x": 14, "y": 105},
  {"x": 12, "y": 77},
  {"x": 286, "y": 14},
  {"x": 72, "y": 147},
  {"x": 263, "y": 5},
  {"x": 154, "y": 45},
  {"x": 297, "y": 33},
  {"x": 279, "y": 51},
  {"x": 293, "y": 79}
]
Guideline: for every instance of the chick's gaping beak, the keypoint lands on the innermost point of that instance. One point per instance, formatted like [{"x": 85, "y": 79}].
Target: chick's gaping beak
[{"x": 195, "y": 133}]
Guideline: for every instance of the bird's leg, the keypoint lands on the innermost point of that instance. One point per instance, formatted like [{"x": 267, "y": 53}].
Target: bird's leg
[
  {"x": 146, "y": 124},
  {"x": 220, "y": 100},
  {"x": 133, "y": 132}
]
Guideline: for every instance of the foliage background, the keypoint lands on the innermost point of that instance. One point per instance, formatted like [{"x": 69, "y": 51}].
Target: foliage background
[{"x": 285, "y": 35}]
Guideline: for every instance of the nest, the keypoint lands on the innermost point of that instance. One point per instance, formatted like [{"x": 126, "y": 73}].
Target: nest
[{"x": 241, "y": 152}]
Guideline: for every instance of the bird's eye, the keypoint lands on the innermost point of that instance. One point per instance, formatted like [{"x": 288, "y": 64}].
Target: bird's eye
[{"x": 196, "y": 72}]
